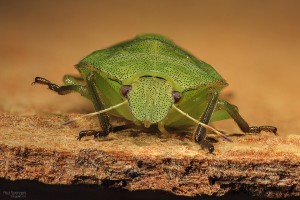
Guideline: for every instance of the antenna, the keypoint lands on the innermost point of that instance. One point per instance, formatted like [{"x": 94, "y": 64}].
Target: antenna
[
  {"x": 96, "y": 113},
  {"x": 202, "y": 124}
]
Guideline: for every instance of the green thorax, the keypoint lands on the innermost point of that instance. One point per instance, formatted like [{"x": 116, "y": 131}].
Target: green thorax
[
  {"x": 150, "y": 99},
  {"x": 153, "y": 55}
]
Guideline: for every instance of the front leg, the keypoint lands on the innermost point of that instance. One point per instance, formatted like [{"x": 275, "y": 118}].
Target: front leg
[
  {"x": 200, "y": 134},
  {"x": 98, "y": 104},
  {"x": 88, "y": 91}
]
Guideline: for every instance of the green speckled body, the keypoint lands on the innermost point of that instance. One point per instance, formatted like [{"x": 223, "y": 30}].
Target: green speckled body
[
  {"x": 153, "y": 55},
  {"x": 151, "y": 81},
  {"x": 156, "y": 66}
]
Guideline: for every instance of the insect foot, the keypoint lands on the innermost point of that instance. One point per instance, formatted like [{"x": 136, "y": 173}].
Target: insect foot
[
  {"x": 207, "y": 145},
  {"x": 258, "y": 129},
  {"x": 43, "y": 81},
  {"x": 96, "y": 134}
]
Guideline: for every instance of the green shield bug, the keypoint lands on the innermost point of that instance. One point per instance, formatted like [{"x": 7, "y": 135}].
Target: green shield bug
[{"x": 150, "y": 80}]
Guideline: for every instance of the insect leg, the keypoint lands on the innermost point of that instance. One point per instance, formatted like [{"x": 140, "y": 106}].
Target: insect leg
[
  {"x": 162, "y": 129},
  {"x": 62, "y": 90},
  {"x": 243, "y": 125},
  {"x": 73, "y": 80},
  {"x": 200, "y": 134},
  {"x": 98, "y": 104},
  {"x": 122, "y": 127}
]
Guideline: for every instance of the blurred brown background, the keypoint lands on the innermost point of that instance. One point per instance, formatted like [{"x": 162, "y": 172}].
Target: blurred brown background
[{"x": 254, "y": 45}]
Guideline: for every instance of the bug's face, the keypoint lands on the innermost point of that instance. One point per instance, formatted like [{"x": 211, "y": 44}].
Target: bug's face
[{"x": 150, "y": 99}]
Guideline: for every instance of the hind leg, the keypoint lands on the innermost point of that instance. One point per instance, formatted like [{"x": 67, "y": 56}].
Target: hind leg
[{"x": 243, "y": 125}]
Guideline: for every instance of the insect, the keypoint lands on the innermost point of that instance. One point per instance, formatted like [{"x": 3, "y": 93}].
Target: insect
[{"x": 150, "y": 81}]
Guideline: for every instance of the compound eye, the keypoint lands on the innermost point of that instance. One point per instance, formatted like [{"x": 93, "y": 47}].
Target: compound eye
[
  {"x": 125, "y": 89},
  {"x": 177, "y": 96}
]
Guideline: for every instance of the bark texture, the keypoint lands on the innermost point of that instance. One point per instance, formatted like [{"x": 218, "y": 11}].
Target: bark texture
[{"x": 38, "y": 147}]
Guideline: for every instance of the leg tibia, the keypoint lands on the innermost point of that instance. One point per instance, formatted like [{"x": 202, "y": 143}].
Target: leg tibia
[
  {"x": 200, "y": 134},
  {"x": 98, "y": 103},
  {"x": 233, "y": 112}
]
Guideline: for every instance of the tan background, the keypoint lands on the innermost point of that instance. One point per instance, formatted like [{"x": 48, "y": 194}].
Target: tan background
[{"x": 254, "y": 45}]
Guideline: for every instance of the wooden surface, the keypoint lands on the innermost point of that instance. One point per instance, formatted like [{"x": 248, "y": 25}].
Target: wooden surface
[
  {"x": 254, "y": 45},
  {"x": 39, "y": 148}
]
